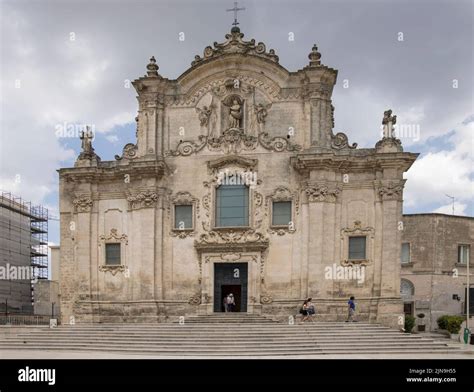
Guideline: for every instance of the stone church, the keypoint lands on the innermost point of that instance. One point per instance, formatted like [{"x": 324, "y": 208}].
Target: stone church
[{"x": 237, "y": 184}]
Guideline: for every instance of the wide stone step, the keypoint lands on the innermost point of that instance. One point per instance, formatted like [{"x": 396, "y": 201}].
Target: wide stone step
[
  {"x": 224, "y": 339},
  {"x": 210, "y": 340},
  {"x": 241, "y": 352}
]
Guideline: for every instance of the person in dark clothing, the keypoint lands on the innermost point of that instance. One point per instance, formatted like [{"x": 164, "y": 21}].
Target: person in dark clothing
[{"x": 351, "y": 308}]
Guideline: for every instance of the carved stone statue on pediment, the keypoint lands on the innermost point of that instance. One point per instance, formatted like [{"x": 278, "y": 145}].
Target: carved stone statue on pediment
[{"x": 388, "y": 122}]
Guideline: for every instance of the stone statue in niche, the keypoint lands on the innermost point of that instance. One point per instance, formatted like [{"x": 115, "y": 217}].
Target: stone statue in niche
[
  {"x": 235, "y": 115},
  {"x": 208, "y": 119},
  {"x": 257, "y": 116}
]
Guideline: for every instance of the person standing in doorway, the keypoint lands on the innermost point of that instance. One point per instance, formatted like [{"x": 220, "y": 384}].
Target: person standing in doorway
[
  {"x": 351, "y": 307},
  {"x": 229, "y": 303}
]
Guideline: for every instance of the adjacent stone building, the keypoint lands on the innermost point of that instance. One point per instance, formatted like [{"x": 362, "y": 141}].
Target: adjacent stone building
[
  {"x": 435, "y": 254},
  {"x": 237, "y": 183}
]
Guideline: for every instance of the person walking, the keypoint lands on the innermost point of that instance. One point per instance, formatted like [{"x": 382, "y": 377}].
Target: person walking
[
  {"x": 310, "y": 307},
  {"x": 304, "y": 311},
  {"x": 351, "y": 308}
]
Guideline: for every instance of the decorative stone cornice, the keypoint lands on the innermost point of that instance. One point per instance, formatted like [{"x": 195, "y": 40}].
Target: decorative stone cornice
[
  {"x": 82, "y": 204},
  {"x": 390, "y": 190},
  {"x": 113, "y": 170},
  {"x": 322, "y": 192},
  {"x": 231, "y": 240},
  {"x": 144, "y": 199}
]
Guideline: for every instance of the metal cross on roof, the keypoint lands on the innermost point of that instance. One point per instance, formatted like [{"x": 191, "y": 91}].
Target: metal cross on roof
[{"x": 235, "y": 9}]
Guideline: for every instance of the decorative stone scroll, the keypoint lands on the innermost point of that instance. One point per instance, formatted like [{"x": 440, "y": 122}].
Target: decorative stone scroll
[
  {"x": 195, "y": 299},
  {"x": 129, "y": 151},
  {"x": 339, "y": 141}
]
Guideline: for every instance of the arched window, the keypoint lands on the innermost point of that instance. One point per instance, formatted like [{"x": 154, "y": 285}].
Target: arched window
[
  {"x": 232, "y": 206},
  {"x": 407, "y": 289}
]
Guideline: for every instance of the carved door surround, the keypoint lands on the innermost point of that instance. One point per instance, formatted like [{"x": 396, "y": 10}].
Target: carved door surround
[{"x": 255, "y": 265}]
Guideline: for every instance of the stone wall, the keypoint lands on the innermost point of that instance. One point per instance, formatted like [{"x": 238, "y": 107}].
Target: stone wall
[{"x": 434, "y": 270}]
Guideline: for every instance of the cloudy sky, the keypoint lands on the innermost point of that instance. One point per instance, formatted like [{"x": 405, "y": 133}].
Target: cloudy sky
[{"x": 68, "y": 63}]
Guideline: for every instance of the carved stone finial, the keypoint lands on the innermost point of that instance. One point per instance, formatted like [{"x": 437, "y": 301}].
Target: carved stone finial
[
  {"x": 389, "y": 143},
  {"x": 152, "y": 67},
  {"x": 314, "y": 57}
]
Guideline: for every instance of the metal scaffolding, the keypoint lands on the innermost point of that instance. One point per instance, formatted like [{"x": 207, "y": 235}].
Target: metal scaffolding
[{"x": 23, "y": 243}]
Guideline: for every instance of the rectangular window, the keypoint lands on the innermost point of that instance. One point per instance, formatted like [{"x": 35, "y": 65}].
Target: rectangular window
[
  {"x": 405, "y": 252},
  {"x": 281, "y": 213},
  {"x": 183, "y": 217},
  {"x": 112, "y": 254},
  {"x": 232, "y": 206},
  {"x": 357, "y": 248},
  {"x": 463, "y": 254}
]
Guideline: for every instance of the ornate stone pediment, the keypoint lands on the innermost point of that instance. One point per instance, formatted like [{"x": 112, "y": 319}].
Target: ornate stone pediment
[
  {"x": 113, "y": 236},
  {"x": 231, "y": 240},
  {"x": 322, "y": 192},
  {"x": 233, "y": 160},
  {"x": 144, "y": 199},
  {"x": 82, "y": 204},
  {"x": 235, "y": 44}
]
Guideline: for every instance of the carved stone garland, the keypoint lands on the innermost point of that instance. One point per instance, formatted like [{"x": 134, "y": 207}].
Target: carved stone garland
[
  {"x": 144, "y": 199},
  {"x": 322, "y": 192}
]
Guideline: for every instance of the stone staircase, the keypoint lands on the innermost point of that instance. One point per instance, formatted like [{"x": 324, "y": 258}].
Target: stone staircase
[{"x": 226, "y": 335}]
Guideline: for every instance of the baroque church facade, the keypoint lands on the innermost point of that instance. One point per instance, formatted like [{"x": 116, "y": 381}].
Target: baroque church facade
[{"x": 237, "y": 184}]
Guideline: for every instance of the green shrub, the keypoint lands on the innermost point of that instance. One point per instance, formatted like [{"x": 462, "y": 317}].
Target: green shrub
[
  {"x": 409, "y": 323},
  {"x": 450, "y": 323},
  {"x": 454, "y": 324},
  {"x": 443, "y": 322}
]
